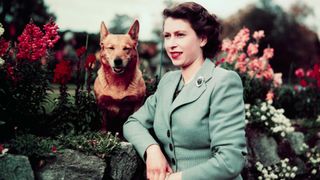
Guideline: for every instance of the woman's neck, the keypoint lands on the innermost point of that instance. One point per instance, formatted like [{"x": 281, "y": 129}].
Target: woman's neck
[{"x": 190, "y": 71}]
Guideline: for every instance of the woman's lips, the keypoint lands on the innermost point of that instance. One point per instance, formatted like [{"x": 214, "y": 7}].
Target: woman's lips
[{"x": 175, "y": 55}]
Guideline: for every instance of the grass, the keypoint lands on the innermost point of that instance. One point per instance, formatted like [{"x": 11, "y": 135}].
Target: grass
[{"x": 54, "y": 94}]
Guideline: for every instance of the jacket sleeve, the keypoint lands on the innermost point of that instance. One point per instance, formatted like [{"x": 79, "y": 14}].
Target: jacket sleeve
[
  {"x": 227, "y": 133},
  {"x": 136, "y": 128}
]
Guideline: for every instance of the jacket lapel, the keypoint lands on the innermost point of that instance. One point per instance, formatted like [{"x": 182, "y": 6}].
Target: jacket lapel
[{"x": 193, "y": 90}]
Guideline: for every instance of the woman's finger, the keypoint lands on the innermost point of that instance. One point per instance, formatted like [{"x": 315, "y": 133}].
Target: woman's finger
[
  {"x": 168, "y": 169},
  {"x": 162, "y": 175}
]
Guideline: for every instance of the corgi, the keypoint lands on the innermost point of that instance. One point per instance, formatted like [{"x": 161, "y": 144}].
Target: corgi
[{"x": 119, "y": 86}]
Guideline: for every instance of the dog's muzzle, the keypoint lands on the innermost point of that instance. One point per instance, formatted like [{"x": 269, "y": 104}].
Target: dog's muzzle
[{"x": 118, "y": 66}]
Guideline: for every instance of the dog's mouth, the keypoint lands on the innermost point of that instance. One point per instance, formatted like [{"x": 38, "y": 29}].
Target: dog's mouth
[{"x": 118, "y": 70}]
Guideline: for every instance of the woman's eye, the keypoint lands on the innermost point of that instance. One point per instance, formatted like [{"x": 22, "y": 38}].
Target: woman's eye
[
  {"x": 126, "y": 49},
  {"x": 166, "y": 36},
  {"x": 180, "y": 35},
  {"x": 111, "y": 48}
]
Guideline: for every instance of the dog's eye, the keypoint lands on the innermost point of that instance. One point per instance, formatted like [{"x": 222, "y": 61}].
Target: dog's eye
[{"x": 126, "y": 49}]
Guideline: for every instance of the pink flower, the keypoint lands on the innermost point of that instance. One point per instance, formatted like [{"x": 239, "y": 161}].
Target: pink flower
[
  {"x": 252, "y": 49},
  {"x": 226, "y": 45},
  {"x": 242, "y": 57},
  {"x": 277, "y": 79},
  {"x": 241, "y": 65},
  {"x": 241, "y": 38},
  {"x": 270, "y": 96},
  {"x": 268, "y": 74},
  {"x": 299, "y": 73},
  {"x": 251, "y": 73},
  {"x": 258, "y": 35},
  {"x": 268, "y": 53},
  {"x": 309, "y": 73}
]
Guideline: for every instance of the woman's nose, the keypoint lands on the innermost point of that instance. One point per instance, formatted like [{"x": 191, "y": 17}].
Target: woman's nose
[{"x": 171, "y": 43}]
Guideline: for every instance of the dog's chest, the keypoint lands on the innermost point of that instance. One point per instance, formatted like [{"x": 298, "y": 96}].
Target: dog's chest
[{"x": 110, "y": 103}]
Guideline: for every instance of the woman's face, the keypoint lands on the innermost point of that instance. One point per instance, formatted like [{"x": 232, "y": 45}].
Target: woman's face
[{"x": 181, "y": 42}]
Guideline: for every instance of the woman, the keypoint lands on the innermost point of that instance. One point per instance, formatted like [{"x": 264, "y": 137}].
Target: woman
[{"x": 197, "y": 112}]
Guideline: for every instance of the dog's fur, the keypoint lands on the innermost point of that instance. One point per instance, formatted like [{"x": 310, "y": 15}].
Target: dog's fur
[{"x": 119, "y": 87}]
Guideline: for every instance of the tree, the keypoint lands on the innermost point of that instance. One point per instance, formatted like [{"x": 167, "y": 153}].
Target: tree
[
  {"x": 294, "y": 43},
  {"x": 15, "y": 14},
  {"x": 120, "y": 24}
]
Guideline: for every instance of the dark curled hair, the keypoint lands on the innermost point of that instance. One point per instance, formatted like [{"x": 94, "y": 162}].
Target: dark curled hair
[{"x": 202, "y": 22}]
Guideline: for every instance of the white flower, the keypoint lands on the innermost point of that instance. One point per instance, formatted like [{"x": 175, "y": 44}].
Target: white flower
[
  {"x": 264, "y": 171},
  {"x": 263, "y": 118},
  {"x": 248, "y": 114},
  {"x": 314, "y": 171},
  {"x": 264, "y": 107},
  {"x": 292, "y": 175},
  {"x": 1, "y": 30},
  {"x": 1, "y": 61},
  {"x": 295, "y": 168},
  {"x": 247, "y": 106},
  {"x": 4, "y": 151}
]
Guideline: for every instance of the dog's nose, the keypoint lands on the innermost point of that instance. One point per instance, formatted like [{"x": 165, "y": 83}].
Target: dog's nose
[{"x": 118, "y": 62}]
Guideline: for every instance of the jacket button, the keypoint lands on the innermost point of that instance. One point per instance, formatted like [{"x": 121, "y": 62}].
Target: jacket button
[
  {"x": 171, "y": 147},
  {"x": 168, "y": 133},
  {"x": 173, "y": 161}
]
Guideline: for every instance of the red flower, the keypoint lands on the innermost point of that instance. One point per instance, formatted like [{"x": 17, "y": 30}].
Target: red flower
[
  {"x": 33, "y": 43},
  {"x": 54, "y": 149},
  {"x": 316, "y": 71},
  {"x": 299, "y": 73},
  {"x": 220, "y": 61},
  {"x": 10, "y": 72},
  {"x": 91, "y": 59},
  {"x": 303, "y": 83},
  {"x": 62, "y": 72},
  {"x": 51, "y": 37},
  {"x": 1, "y": 148},
  {"x": 81, "y": 51},
  {"x": 3, "y": 46},
  {"x": 309, "y": 74}
]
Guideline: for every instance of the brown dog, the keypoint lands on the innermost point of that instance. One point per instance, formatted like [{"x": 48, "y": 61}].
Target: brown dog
[{"x": 119, "y": 87}]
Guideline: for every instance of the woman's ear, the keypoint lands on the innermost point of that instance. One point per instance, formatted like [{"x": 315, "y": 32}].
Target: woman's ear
[{"x": 203, "y": 41}]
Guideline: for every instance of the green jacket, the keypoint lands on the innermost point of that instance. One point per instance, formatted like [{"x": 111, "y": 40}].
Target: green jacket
[{"x": 202, "y": 130}]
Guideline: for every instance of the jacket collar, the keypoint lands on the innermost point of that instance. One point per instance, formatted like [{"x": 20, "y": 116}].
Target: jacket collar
[{"x": 194, "y": 89}]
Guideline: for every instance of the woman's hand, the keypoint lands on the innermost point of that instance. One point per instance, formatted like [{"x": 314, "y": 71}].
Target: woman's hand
[
  {"x": 157, "y": 165},
  {"x": 175, "y": 176}
]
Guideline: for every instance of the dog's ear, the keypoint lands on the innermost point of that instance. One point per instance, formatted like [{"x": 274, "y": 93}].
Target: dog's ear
[
  {"x": 103, "y": 31},
  {"x": 134, "y": 30}
]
